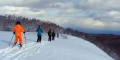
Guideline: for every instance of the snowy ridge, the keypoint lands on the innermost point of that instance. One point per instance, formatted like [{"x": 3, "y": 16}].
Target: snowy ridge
[{"x": 70, "y": 48}]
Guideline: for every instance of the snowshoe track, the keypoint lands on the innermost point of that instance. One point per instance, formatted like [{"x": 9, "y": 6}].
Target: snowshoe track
[{"x": 16, "y": 53}]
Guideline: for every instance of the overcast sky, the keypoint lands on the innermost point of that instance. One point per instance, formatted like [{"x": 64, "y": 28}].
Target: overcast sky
[{"x": 87, "y": 15}]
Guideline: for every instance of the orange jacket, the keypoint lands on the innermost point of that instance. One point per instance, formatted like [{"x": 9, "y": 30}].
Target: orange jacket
[{"x": 18, "y": 29}]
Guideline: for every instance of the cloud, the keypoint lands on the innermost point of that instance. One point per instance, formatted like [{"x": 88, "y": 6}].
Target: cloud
[
  {"x": 100, "y": 15},
  {"x": 114, "y": 14},
  {"x": 99, "y": 4}
]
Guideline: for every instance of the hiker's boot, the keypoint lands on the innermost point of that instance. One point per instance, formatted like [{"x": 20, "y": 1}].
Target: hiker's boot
[{"x": 20, "y": 45}]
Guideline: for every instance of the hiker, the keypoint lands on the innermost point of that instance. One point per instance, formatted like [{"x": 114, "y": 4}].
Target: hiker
[
  {"x": 39, "y": 33},
  {"x": 17, "y": 29},
  {"x": 57, "y": 35},
  {"x": 49, "y": 35},
  {"x": 53, "y": 35}
]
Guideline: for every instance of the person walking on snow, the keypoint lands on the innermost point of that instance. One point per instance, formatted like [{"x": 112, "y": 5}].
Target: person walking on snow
[
  {"x": 53, "y": 35},
  {"x": 50, "y": 35},
  {"x": 39, "y": 33},
  {"x": 17, "y": 29}
]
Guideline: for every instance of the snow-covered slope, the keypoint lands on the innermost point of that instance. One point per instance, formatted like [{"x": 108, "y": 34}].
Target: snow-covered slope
[{"x": 70, "y": 48}]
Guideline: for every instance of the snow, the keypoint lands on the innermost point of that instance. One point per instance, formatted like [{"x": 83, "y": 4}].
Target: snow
[{"x": 69, "y": 48}]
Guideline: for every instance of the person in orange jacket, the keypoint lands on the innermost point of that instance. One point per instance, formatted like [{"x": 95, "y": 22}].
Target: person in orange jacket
[{"x": 17, "y": 29}]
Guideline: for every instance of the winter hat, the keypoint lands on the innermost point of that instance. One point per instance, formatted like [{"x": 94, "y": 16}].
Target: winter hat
[{"x": 18, "y": 22}]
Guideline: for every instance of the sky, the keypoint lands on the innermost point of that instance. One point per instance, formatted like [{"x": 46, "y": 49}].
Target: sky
[{"x": 94, "y": 16}]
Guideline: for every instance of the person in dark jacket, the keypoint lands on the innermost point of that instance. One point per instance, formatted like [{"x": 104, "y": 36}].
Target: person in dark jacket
[
  {"x": 39, "y": 33},
  {"x": 50, "y": 35},
  {"x": 53, "y": 35}
]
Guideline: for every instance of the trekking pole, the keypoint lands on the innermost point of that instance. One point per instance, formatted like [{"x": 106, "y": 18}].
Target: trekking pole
[
  {"x": 25, "y": 39},
  {"x": 11, "y": 40}
]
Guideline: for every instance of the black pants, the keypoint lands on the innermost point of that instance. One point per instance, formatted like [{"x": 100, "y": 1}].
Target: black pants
[
  {"x": 39, "y": 39},
  {"x": 50, "y": 38},
  {"x": 53, "y": 37}
]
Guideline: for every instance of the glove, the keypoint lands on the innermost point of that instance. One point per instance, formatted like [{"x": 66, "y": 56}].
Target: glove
[
  {"x": 13, "y": 32},
  {"x": 24, "y": 32}
]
